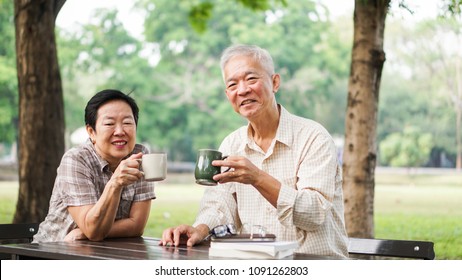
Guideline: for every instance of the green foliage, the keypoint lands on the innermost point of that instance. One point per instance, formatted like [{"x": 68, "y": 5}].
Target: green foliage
[
  {"x": 175, "y": 77},
  {"x": 8, "y": 77},
  {"x": 410, "y": 148},
  {"x": 199, "y": 15},
  {"x": 418, "y": 87},
  {"x": 451, "y": 8},
  {"x": 190, "y": 60},
  {"x": 260, "y": 5}
]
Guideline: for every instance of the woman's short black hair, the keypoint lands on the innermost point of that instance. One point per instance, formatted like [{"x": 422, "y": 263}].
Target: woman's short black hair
[{"x": 103, "y": 97}]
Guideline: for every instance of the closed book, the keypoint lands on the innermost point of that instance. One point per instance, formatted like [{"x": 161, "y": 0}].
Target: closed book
[
  {"x": 243, "y": 254},
  {"x": 253, "y": 250}
]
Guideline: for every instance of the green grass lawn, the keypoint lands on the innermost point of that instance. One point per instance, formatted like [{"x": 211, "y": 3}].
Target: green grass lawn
[{"x": 419, "y": 207}]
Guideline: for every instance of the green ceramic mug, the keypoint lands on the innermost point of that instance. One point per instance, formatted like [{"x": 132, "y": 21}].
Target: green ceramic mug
[{"x": 204, "y": 170}]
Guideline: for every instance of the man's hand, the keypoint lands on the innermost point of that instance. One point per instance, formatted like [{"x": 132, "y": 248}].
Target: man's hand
[
  {"x": 245, "y": 172},
  {"x": 242, "y": 171},
  {"x": 184, "y": 234}
]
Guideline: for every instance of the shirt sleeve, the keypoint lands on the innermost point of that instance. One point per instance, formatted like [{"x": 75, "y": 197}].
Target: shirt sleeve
[
  {"x": 74, "y": 180},
  {"x": 144, "y": 190},
  {"x": 217, "y": 207},
  {"x": 308, "y": 204}
]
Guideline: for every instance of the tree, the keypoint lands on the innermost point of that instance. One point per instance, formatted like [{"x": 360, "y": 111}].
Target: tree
[
  {"x": 444, "y": 68},
  {"x": 181, "y": 95},
  {"x": 295, "y": 34},
  {"x": 360, "y": 150},
  {"x": 411, "y": 148},
  {"x": 359, "y": 157},
  {"x": 414, "y": 88},
  {"x": 41, "y": 118}
]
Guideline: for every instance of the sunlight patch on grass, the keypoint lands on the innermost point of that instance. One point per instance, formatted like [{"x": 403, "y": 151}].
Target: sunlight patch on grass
[{"x": 422, "y": 199}]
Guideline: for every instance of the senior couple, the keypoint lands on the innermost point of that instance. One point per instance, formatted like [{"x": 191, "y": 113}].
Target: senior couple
[{"x": 286, "y": 176}]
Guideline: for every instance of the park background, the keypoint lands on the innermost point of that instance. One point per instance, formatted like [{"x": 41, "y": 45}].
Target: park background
[{"x": 178, "y": 86}]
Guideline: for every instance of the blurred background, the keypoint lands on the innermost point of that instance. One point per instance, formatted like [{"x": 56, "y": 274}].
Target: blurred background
[{"x": 149, "y": 48}]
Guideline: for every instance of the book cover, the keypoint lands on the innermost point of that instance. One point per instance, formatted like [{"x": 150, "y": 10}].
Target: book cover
[
  {"x": 243, "y": 254},
  {"x": 253, "y": 250}
]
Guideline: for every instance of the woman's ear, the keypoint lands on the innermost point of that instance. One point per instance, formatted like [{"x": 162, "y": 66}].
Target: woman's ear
[{"x": 91, "y": 133}]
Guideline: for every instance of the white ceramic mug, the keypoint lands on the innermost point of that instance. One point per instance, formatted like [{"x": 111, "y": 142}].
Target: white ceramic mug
[{"x": 154, "y": 166}]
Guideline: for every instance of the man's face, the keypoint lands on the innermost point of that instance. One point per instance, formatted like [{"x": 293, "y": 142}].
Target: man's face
[
  {"x": 115, "y": 131},
  {"x": 249, "y": 88}
]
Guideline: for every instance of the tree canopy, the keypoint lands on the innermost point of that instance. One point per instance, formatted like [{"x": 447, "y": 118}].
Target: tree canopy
[{"x": 175, "y": 77}]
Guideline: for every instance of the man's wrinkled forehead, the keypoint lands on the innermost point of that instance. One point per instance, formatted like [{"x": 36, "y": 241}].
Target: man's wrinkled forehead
[{"x": 241, "y": 65}]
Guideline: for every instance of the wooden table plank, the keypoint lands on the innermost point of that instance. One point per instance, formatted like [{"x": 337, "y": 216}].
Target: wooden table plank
[{"x": 146, "y": 248}]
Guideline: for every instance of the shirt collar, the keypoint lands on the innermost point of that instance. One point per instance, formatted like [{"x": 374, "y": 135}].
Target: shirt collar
[
  {"x": 103, "y": 164},
  {"x": 283, "y": 134}
]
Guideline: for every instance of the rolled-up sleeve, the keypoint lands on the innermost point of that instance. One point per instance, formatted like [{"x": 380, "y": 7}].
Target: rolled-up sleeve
[
  {"x": 307, "y": 204},
  {"x": 217, "y": 207}
]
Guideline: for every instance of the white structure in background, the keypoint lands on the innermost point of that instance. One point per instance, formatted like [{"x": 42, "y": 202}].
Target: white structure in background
[
  {"x": 9, "y": 156},
  {"x": 79, "y": 136}
]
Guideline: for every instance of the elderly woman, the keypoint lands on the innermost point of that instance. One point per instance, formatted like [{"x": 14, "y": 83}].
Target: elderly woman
[{"x": 99, "y": 190}]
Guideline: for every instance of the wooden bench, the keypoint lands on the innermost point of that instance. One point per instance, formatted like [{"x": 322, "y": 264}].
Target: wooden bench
[
  {"x": 402, "y": 249},
  {"x": 17, "y": 233}
]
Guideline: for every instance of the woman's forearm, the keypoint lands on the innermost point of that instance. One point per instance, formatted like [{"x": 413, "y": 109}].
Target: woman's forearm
[
  {"x": 100, "y": 218},
  {"x": 133, "y": 225}
]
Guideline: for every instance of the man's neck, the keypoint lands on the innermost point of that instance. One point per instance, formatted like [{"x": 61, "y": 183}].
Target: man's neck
[{"x": 264, "y": 129}]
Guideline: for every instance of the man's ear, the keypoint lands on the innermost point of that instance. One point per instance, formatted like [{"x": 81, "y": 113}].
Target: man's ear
[{"x": 276, "y": 82}]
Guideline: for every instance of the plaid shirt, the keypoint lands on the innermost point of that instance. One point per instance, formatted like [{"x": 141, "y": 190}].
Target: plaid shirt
[
  {"x": 81, "y": 179},
  {"x": 309, "y": 208}
]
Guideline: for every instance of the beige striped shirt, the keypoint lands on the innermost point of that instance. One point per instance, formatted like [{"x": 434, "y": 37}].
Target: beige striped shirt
[{"x": 309, "y": 209}]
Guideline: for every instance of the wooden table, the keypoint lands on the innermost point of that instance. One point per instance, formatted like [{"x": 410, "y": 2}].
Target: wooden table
[{"x": 141, "y": 248}]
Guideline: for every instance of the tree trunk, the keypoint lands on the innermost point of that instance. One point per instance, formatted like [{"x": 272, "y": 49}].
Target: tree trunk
[
  {"x": 41, "y": 115},
  {"x": 360, "y": 151}
]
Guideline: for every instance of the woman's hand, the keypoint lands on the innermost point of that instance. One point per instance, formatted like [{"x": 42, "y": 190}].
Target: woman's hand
[
  {"x": 75, "y": 234},
  {"x": 128, "y": 171}
]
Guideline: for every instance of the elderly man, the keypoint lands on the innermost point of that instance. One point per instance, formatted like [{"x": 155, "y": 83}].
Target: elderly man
[{"x": 284, "y": 172}]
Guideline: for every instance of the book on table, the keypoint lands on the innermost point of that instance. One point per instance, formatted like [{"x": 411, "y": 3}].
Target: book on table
[{"x": 252, "y": 249}]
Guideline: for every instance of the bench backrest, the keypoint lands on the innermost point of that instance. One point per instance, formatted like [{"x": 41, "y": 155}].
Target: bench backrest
[
  {"x": 392, "y": 248},
  {"x": 10, "y": 233},
  {"x": 16, "y": 233}
]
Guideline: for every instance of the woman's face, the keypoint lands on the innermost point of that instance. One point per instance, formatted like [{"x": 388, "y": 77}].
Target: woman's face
[{"x": 114, "y": 135}]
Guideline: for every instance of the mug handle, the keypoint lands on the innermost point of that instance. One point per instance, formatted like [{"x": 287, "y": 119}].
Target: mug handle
[{"x": 223, "y": 158}]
